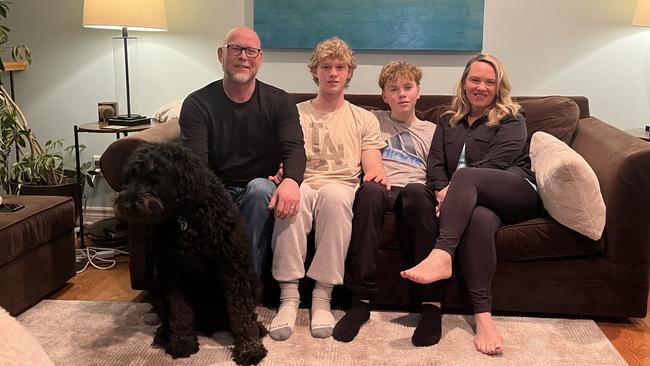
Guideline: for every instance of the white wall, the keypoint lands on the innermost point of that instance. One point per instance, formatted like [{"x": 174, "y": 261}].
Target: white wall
[{"x": 562, "y": 47}]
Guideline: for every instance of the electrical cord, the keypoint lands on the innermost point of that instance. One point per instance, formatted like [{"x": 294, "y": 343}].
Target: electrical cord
[{"x": 93, "y": 255}]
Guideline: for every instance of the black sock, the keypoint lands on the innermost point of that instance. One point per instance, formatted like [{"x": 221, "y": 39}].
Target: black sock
[
  {"x": 348, "y": 327},
  {"x": 429, "y": 330}
]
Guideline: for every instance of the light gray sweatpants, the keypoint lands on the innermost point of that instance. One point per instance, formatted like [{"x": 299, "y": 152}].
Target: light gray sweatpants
[{"x": 329, "y": 211}]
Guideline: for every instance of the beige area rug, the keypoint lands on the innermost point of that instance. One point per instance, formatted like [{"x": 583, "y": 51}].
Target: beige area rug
[{"x": 112, "y": 333}]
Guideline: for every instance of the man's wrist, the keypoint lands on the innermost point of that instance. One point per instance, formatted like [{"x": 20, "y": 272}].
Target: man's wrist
[
  {"x": 292, "y": 178},
  {"x": 289, "y": 179}
]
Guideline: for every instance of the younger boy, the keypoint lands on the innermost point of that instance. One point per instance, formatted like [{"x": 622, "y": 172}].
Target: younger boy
[{"x": 409, "y": 139}]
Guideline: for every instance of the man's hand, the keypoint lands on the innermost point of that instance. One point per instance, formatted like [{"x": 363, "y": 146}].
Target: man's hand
[
  {"x": 286, "y": 199},
  {"x": 440, "y": 196},
  {"x": 277, "y": 178}
]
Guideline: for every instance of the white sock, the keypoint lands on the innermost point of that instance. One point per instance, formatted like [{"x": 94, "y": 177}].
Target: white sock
[
  {"x": 322, "y": 320},
  {"x": 284, "y": 321},
  {"x": 151, "y": 318}
]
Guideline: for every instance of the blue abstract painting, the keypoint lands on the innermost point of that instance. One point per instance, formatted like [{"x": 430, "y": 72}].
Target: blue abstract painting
[{"x": 414, "y": 25}]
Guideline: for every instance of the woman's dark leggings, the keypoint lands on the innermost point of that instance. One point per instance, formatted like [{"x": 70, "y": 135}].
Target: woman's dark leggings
[{"x": 478, "y": 202}]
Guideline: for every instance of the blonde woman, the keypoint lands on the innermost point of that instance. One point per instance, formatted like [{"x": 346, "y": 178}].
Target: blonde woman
[{"x": 479, "y": 169}]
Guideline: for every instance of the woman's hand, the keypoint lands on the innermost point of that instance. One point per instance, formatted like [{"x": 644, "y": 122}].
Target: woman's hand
[{"x": 440, "y": 197}]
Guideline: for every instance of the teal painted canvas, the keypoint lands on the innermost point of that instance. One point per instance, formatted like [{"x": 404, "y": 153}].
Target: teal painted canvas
[{"x": 414, "y": 25}]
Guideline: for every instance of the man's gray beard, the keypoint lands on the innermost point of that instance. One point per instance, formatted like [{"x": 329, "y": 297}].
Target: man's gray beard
[{"x": 238, "y": 77}]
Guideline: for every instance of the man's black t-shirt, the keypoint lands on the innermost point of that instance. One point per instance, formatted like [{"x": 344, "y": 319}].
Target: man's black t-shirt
[{"x": 243, "y": 141}]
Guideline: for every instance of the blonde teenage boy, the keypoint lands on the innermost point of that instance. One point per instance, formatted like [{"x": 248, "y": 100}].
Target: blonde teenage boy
[
  {"x": 341, "y": 140},
  {"x": 409, "y": 140}
]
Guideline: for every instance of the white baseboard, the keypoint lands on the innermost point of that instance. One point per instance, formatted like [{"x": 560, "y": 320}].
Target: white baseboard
[{"x": 94, "y": 213}]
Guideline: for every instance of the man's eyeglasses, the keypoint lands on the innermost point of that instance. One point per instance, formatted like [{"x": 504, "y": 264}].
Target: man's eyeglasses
[{"x": 235, "y": 50}]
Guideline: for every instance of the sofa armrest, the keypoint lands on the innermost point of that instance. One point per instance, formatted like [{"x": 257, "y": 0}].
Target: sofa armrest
[
  {"x": 169, "y": 131},
  {"x": 113, "y": 159},
  {"x": 622, "y": 164}
]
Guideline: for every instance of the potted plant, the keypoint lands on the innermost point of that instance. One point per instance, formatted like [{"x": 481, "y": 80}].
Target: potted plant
[
  {"x": 14, "y": 134},
  {"x": 19, "y": 53},
  {"x": 24, "y": 163},
  {"x": 25, "y": 166}
]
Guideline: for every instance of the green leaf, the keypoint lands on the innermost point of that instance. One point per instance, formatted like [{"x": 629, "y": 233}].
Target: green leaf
[{"x": 89, "y": 180}]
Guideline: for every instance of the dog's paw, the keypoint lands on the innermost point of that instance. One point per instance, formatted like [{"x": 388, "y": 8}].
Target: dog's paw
[
  {"x": 161, "y": 338},
  {"x": 248, "y": 352},
  {"x": 182, "y": 346}
]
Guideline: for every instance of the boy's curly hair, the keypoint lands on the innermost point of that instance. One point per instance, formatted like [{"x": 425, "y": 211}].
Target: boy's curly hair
[
  {"x": 332, "y": 48},
  {"x": 393, "y": 70}
]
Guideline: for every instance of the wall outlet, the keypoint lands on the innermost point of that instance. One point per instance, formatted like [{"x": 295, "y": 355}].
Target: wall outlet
[{"x": 96, "y": 162}]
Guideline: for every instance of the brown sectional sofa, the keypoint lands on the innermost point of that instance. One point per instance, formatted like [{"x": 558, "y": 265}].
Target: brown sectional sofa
[{"x": 543, "y": 266}]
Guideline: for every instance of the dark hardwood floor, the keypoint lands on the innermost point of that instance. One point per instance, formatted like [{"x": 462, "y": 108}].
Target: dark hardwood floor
[{"x": 631, "y": 338}]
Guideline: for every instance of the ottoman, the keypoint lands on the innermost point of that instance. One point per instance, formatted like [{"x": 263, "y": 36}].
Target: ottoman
[{"x": 37, "y": 250}]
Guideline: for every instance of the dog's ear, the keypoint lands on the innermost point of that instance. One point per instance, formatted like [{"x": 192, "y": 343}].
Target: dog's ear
[
  {"x": 119, "y": 152},
  {"x": 144, "y": 164},
  {"x": 187, "y": 170}
]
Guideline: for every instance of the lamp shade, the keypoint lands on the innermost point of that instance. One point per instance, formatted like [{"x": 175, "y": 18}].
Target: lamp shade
[
  {"x": 147, "y": 15},
  {"x": 642, "y": 14}
]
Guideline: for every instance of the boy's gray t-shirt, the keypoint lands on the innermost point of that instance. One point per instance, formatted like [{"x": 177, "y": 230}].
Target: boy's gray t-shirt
[{"x": 405, "y": 157}]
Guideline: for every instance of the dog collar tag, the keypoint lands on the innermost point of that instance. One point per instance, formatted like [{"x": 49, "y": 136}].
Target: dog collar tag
[{"x": 182, "y": 223}]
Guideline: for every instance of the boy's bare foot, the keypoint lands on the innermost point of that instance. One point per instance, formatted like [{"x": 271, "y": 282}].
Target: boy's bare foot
[
  {"x": 435, "y": 267},
  {"x": 488, "y": 340}
]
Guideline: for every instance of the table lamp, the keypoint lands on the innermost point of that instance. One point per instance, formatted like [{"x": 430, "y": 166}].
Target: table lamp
[
  {"x": 125, "y": 15},
  {"x": 642, "y": 19}
]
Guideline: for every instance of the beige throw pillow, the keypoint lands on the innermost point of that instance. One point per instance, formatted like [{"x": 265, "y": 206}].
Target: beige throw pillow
[{"x": 567, "y": 185}]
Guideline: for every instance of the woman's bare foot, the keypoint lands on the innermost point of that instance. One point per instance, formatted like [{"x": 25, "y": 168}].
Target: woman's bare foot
[
  {"x": 488, "y": 339},
  {"x": 435, "y": 267}
]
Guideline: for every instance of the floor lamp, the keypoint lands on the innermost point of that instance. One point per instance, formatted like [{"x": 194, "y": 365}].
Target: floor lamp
[
  {"x": 125, "y": 15},
  {"x": 642, "y": 19}
]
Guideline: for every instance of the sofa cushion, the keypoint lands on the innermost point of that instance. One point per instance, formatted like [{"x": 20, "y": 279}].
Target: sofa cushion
[
  {"x": 541, "y": 238},
  {"x": 567, "y": 185},
  {"x": 433, "y": 114},
  {"x": 557, "y": 116},
  {"x": 171, "y": 110}
]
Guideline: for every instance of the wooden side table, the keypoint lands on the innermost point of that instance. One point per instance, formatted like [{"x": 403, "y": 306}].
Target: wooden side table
[
  {"x": 99, "y": 127},
  {"x": 641, "y": 133}
]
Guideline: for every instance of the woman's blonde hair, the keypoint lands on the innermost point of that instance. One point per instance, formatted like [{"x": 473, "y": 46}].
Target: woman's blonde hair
[
  {"x": 334, "y": 48},
  {"x": 501, "y": 106},
  {"x": 393, "y": 70}
]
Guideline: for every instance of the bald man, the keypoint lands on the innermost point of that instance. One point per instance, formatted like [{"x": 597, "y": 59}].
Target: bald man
[{"x": 244, "y": 129}]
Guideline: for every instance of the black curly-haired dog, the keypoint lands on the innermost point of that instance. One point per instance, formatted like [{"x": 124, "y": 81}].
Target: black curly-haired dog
[{"x": 203, "y": 281}]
